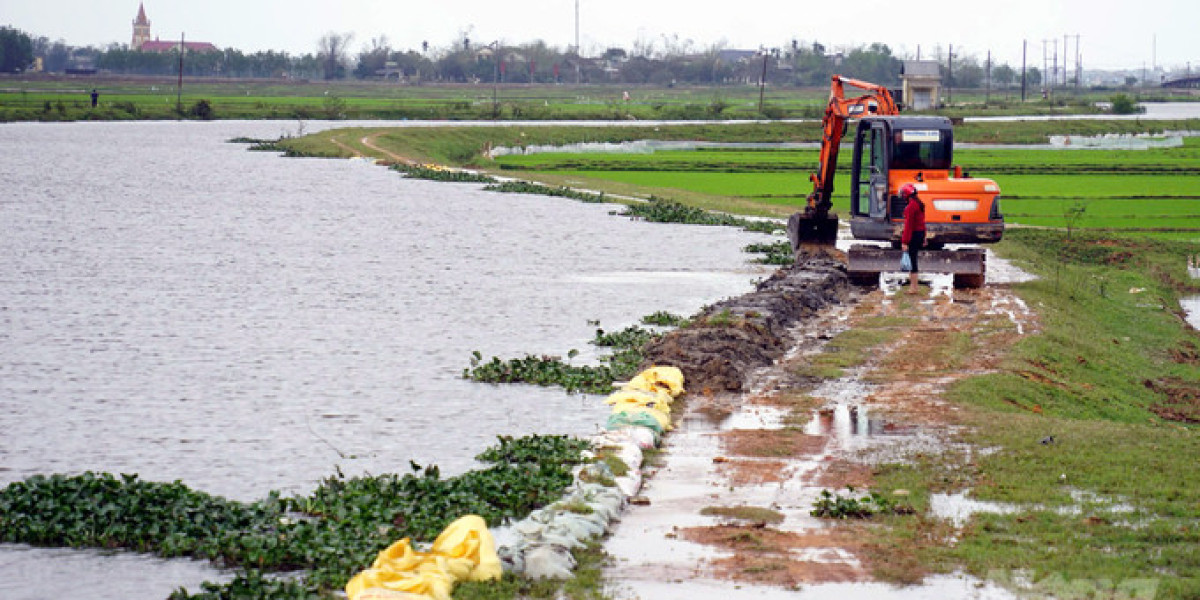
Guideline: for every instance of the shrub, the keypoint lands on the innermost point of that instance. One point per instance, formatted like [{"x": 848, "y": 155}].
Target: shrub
[
  {"x": 1122, "y": 104},
  {"x": 202, "y": 109}
]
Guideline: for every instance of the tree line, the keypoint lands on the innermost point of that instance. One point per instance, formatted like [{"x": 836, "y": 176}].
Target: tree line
[{"x": 667, "y": 62}]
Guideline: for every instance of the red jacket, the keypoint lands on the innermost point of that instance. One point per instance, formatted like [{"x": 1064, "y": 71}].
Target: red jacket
[{"x": 914, "y": 219}]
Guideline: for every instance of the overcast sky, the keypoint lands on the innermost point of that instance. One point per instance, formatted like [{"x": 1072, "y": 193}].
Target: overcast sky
[{"x": 1163, "y": 32}]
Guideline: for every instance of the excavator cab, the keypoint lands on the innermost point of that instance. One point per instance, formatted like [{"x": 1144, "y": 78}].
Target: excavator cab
[
  {"x": 892, "y": 151},
  {"x": 909, "y": 146}
]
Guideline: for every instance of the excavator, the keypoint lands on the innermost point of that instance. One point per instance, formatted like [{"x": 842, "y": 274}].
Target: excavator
[{"x": 891, "y": 150}]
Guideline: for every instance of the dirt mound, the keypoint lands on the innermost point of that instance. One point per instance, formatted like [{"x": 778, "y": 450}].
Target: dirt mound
[{"x": 735, "y": 336}]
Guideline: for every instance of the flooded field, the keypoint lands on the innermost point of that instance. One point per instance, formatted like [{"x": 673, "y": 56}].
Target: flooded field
[{"x": 175, "y": 306}]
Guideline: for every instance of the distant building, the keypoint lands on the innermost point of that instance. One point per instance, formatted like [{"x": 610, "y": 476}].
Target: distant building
[
  {"x": 142, "y": 42},
  {"x": 922, "y": 84},
  {"x": 141, "y": 29}
]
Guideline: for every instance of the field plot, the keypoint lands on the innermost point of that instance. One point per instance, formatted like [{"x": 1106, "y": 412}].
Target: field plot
[
  {"x": 138, "y": 97},
  {"x": 1144, "y": 192}
]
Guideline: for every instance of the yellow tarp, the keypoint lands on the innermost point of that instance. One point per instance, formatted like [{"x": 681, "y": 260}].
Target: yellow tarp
[
  {"x": 631, "y": 398},
  {"x": 667, "y": 379},
  {"x": 465, "y": 551}
]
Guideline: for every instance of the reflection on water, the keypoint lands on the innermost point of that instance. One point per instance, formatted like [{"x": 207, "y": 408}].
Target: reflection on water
[{"x": 175, "y": 306}]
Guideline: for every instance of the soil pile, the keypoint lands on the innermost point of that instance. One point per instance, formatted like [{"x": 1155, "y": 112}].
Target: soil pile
[{"x": 735, "y": 336}]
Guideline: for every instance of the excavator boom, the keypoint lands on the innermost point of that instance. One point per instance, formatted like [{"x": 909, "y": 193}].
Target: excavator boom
[{"x": 815, "y": 226}]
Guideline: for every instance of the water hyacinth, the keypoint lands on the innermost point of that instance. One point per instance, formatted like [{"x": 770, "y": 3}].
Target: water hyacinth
[{"x": 330, "y": 533}]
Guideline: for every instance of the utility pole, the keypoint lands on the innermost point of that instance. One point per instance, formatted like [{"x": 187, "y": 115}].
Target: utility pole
[
  {"x": 179, "y": 87},
  {"x": 950, "y": 76},
  {"x": 1078, "y": 64},
  {"x": 1054, "y": 73},
  {"x": 1065, "y": 60},
  {"x": 762, "y": 80},
  {"x": 1045, "y": 70},
  {"x": 1154, "y": 52},
  {"x": 987, "y": 95},
  {"x": 1024, "y": 49}
]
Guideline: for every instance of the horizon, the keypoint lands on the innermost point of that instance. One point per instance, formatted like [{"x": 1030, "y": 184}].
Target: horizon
[{"x": 1102, "y": 43}]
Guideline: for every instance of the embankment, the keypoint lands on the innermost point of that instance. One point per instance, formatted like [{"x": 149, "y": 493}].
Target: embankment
[{"x": 735, "y": 336}]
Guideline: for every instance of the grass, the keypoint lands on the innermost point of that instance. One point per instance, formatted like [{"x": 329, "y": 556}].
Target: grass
[
  {"x": 588, "y": 583},
  {"x": 850, "y": 348},
  {"x": 754, "y": 514},
  {"x": 1097, "y": 379},
  {"x": 138, "y": 97}
]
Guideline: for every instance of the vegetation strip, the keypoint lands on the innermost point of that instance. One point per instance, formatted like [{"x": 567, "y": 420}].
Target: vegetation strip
[
  {"x": 330, "y": 533},
  {"x": 543, "y": 370}
]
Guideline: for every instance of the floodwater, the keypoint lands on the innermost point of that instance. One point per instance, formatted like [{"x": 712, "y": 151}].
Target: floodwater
[{"x": 178, "y": 307}]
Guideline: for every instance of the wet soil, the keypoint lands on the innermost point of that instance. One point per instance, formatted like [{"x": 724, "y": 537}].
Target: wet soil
[
  {"x": 756, "y": 431},
  {"x": 735, "y": 336},
  {"x": 1182, "y": 401}
]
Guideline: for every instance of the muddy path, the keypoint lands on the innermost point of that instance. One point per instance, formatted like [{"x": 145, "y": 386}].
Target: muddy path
[{"x": 767, "y": 426}]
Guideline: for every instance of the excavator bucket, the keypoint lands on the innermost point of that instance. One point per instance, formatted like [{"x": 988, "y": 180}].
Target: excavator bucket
[{"x": 806, "y": 230}]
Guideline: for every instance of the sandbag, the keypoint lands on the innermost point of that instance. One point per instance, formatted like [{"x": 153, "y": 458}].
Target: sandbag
[
  {"x": 643, "y": 437},
  {"x": 667, "y": 379},
  {"x": 463, "y": 551},
  {"x": 468, "y": 539},
  {"x": 628, "y": 419},
  {"x": 660, "y": 418},
  {"x": 386, "y": 594},
  {"x": 548, "y": 562},
  {"x": 634, "y": 398}
]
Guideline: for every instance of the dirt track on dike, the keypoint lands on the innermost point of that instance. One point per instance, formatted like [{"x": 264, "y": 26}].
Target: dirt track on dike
[{"x": 760, "y": 429}]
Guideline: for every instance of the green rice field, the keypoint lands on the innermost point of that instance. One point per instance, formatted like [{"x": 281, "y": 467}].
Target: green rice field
[{"x": 1152, "y": 192}]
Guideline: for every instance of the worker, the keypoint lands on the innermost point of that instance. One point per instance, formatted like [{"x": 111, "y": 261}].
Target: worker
[{"x": 912, "y": 238}]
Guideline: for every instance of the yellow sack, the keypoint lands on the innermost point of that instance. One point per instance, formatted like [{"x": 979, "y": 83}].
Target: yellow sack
[
  {"x": 427, "y": 582},
  {"x": 630, "y": 398},
  {"x": 465, "y": 550},
  {"x": 667, "y": 379},
  {"x": 468, "y": 539},
  {"x": 386, "y": 594}
]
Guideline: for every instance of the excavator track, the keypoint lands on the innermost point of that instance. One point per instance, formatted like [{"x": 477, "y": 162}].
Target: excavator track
[{"x": 969, "y": 265}]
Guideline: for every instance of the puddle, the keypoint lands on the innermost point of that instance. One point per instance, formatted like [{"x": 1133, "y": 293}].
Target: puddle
[
  {"x": 1191, "y": 304},
  {"x": 937, "y": 586},
  {"x": 755, "y": 417},
  {"x": 958, "y": 508},
  {"x": 1087, "y": 501},
  {"x": 1191, "y": 308},
  {"x": 1115, "y": 141}
]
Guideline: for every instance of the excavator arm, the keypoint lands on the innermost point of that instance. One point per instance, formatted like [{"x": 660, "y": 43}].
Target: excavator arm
[
  {"x": 815, "y": 226},
  {"x": 840, "y": 110}
]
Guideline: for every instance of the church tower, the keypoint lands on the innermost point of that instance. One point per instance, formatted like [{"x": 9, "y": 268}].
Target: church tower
[{"x": 141, "y": 29}]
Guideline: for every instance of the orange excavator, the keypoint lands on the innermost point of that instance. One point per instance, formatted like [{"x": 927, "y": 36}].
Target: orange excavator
[{"x": 889, "y": 151}]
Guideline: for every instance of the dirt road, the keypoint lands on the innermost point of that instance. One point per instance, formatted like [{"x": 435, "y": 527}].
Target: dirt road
[{"x": 726, "y": 513}]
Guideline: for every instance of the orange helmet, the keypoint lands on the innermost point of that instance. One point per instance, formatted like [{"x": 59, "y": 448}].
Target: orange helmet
[{"x": 907, "y": 190}]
